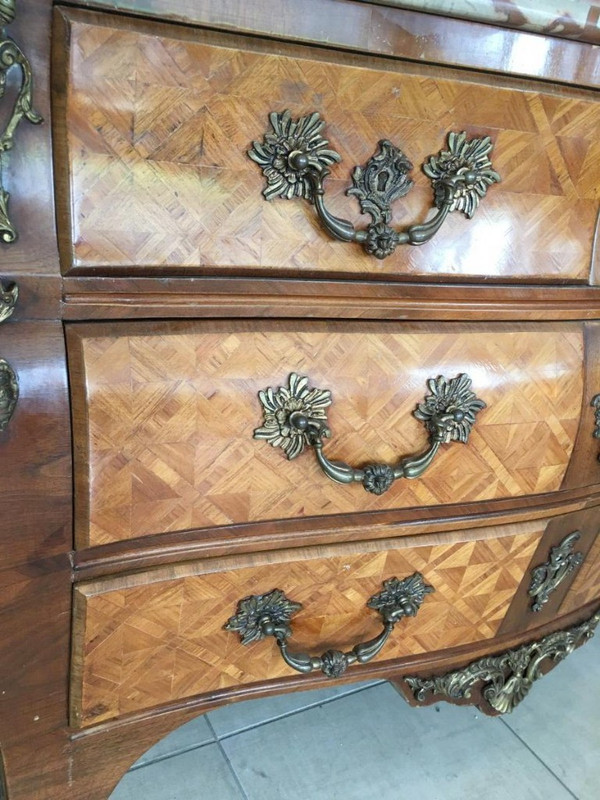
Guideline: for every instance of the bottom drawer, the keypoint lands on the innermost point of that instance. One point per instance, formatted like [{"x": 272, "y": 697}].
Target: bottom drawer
[{"x": 156, "y": 637}]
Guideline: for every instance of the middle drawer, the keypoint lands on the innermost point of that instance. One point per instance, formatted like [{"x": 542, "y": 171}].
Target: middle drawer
[{"x": 165, "y": 413}]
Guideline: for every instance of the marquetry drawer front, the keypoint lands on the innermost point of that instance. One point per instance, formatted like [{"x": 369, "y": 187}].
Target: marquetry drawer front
[
  {"x": 157, "y": 122},
  {"x": 157, "y": 637},
  {"x": 164, "y": 418}
]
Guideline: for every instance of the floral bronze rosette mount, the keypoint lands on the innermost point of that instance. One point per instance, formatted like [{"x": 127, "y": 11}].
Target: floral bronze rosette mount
[{"x": 295, "y": 159}]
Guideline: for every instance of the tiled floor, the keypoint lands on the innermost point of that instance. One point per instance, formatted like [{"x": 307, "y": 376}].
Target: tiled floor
[{"x": 363, "y": 742}]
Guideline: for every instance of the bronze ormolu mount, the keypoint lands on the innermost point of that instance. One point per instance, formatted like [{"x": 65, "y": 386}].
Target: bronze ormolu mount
[
  {"x": 295, "y": 417},
  {"x": 295, "y": 161},
  {"x": 11, "y": 55}
]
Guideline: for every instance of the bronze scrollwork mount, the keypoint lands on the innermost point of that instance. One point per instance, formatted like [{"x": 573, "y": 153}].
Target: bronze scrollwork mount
[
  {"x": 506, "y": 679},
  {"x": 547, "y": 577},
  {"x": 11, "y": 55},
  {"x": 9, "y": 382},
  {"x": 295, "y": 160}
]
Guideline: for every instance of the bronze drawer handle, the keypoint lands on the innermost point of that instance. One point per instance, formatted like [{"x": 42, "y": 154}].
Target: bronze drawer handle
[
  {"x": 11, "y": 55},
  {"x": 295, "y": 160},
  {"x": 294, "y": 417},
  {"x": 262, "y": 615}
]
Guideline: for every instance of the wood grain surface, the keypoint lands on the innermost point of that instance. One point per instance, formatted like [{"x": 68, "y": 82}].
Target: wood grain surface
[
  {"x": 219, "y": 297},
  {"x": 160, "y": 639},
  {"x": 164, "y": 416},
  {"x": 584, "y": 469},
  {"x": 35, "y": 574},
  {"x": 154, "y": 172}
]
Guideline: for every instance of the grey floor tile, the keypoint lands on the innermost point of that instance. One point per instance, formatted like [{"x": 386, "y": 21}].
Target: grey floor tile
[
  {"x": 186, "y": 737},
  {"x": 201, "y": 774},
  {"x": 240, "y": 716},
  {"x": 560, "y": 720},
  {"x": 372, "y": 745}
]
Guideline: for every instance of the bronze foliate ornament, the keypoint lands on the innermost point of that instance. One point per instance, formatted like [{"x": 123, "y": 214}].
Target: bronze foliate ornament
[
  {"x": 596, "y": 406},
  {"x": 467, "y": 167},
  {"x": 8, "y": 300},
  {"x": 547, "y": 577},
  {"x": 506, "y": 679},
  {"x": 9, "y": 392},
  {"x": 300, "y": 137},
  {"x": 295, "y": 160},
  {"x": 269, "y": 614},
  {"x": 279, "y": 405},
  {"x": 11, "y": 55},
  {"x": 252, "y": 610},
  {"x": 9, "y": 383},
  {"x": 295, "y": 417}
]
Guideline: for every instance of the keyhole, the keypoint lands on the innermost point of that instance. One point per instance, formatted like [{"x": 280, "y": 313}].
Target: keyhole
[{"x": 382, "y": 180}]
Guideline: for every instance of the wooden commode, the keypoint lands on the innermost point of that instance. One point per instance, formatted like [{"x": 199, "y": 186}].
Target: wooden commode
[{"x": 299, "y": 364}]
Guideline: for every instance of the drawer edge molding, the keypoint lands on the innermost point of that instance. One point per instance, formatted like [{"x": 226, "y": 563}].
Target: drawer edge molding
[
  {"x": 295, "y": 161},
  {"x": 503, "y": 680},
  {"x": 259, "y": 616}
]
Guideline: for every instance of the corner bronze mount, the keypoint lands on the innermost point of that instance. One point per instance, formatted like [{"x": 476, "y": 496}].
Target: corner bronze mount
[
  {"x": 547, "y": 577},
  {"x": 8, "y": 300},
  {"x": 9, "y": 393},
  {"x": 9, "y": 383},
  {"x": 504, "y": 680},
  {"x": 259, "y": 616},
  {"x": 295, "y": 417},
  {"x": 295, "y": 161},
  {"x": 595, "y": 403},
  {"x": 11, "y": 55}
]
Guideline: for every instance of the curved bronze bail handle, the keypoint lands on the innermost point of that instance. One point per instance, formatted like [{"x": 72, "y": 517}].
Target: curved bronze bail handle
[
  {"x": 295, "y": 418},
  {"x": 295, "y": 160},
  {"x": 269, "y": 614}
]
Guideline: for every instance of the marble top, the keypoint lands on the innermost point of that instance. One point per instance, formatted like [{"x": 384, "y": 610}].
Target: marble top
[{"x": 572, "y": 19}]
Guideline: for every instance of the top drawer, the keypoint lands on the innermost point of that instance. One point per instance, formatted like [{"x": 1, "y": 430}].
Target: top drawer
[{"x": 154, "y": 128}]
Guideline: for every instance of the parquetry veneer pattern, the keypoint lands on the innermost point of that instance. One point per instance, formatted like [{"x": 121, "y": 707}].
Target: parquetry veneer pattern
[
  {"x": 170, "y": 414},
  {"x": 147, "y": 644},
  {"x": 145, "y": 133},
  {"x": 159, "y": 125}
]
